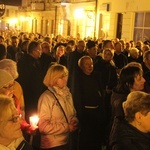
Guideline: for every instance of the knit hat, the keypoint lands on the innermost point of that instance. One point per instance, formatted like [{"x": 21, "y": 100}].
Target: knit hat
[
  {"x": 90, "y": 44},
  {"x": 5, "y": 78}
]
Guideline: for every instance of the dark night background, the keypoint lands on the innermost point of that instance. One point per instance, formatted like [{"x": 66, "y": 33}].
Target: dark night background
[{"x": 11, "y": 2}]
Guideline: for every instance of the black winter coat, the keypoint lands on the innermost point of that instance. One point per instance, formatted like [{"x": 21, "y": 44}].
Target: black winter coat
[
  {"x": 116, "y": 102},
  {"x": 126, "y": 137},
  {"x": 31, "y": 80}
]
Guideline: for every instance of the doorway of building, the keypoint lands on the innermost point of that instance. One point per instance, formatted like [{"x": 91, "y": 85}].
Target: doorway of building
[{"x": 119, "y": 26}]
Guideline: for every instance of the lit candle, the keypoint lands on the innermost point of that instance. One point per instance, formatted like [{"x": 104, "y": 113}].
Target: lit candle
[{"x": 34, "y": 121}]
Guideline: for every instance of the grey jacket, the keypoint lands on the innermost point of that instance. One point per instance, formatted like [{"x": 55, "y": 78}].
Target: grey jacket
[{"x": 53, "y": 126}]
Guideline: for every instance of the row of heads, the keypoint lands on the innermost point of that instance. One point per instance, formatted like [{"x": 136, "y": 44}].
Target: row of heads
[
  {"x": 11, "y": 67},
  {"x": 137, "y": 101}
]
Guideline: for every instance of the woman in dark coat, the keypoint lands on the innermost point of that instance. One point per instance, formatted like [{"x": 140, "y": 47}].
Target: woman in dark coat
[
  {"x": 130, "y": 79},
  {"x": 132, "y": 133}
]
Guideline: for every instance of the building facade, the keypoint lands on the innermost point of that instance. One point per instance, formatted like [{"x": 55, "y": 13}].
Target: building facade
[{"x": 107, "y": 19}]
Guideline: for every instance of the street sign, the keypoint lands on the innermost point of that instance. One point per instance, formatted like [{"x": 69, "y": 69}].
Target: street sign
[{"x": 2, "y": 9}]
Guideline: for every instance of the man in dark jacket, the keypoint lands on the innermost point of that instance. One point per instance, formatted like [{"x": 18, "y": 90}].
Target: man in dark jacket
[
  {"x": 13, "y": 48},
  {"x": 31, "y": 78}
]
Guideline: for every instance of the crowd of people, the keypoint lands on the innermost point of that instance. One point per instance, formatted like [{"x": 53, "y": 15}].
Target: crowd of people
[{"x": 88, "y": 94}]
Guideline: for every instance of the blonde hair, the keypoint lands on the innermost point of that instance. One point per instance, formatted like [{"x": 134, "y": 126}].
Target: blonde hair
[
  {"x": 109, "y": 50},
  {"x": 60, "y": 47},
  {"x": 7, "y": 107},
  {"x": 55, "y": 72}
]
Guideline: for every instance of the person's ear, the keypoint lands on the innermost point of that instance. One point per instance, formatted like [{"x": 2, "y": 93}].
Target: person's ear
[{"x": 138, "y": 117}]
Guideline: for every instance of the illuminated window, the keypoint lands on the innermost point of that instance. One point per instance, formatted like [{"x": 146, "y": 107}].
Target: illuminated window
[{"x": 142, "y": 26}]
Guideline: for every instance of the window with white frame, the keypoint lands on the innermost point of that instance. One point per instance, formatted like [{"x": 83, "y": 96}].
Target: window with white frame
[{"x": 142, "y": 26}]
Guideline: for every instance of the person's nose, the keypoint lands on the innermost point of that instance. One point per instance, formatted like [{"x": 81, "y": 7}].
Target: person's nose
[{"x": 143, "y": 80}]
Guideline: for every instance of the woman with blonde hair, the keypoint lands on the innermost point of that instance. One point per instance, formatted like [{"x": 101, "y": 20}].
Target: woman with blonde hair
[
  {"x": 7, "y": 88},
  {"x": 56, "y": 111},
  {"x": 10, "y": 132}
]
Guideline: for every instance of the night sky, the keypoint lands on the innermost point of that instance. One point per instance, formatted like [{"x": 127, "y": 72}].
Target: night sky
[{"x": 11, "y": 2}]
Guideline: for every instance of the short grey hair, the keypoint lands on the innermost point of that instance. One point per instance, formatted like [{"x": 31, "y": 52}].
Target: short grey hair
[
  {"x": 137, "y": 101},
  {"x": 133, "y": 50}
]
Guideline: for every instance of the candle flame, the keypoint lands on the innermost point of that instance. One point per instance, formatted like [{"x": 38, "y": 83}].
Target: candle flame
[{"x": 34, "y": 120}]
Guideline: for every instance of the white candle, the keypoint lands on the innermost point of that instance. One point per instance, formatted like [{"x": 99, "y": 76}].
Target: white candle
[{"x": 34, "y": 120}]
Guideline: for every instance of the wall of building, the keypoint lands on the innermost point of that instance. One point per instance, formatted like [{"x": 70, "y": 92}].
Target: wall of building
[
  {"x": 60, "y": 19},
  {"x": 127, "y": 5},
  {"x": 128, "y": 9}
]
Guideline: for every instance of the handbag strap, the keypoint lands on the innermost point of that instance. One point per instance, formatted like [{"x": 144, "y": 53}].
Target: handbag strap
[{"x": 60, "y": 106}]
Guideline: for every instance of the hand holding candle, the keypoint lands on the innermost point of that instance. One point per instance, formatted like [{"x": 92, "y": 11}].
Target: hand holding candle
[{"x": 34, "y": 121}]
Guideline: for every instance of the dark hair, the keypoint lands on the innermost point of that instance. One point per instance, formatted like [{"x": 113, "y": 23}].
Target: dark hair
[
  {"x": 105, "y": 42},
  {"x": 72, "y": 42},
  {"x": 147, "y": 42},
  {"x": 14, "y": 37},
  {"x": 3, "y": 51},
  {"x": 32, "y": 46},
  {"x": 90, "y": 44},
  {"x": 126, "y": 78},
  {"x": 24, "y": 43},
  {"x": 46, "y": 38},
  {"x": 1, "y": 37}
]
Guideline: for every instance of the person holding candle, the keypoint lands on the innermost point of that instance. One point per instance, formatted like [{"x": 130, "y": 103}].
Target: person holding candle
[
  {"x": 57, "y": 115},
  {"x": 7, "y": 88},
  {"x": 10, "y": 131}
]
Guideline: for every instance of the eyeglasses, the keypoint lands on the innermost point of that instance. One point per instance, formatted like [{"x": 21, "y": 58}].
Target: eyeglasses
[
  {"x": 14, "y": 119},
  {"x": 9, "y": 86}
]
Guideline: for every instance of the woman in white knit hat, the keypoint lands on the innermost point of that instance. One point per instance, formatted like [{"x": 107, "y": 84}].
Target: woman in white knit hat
[
  {"x": 6, "y": 82},
  {"x": 7, "y": 88},
  {"x": 11, "y": 67}
]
